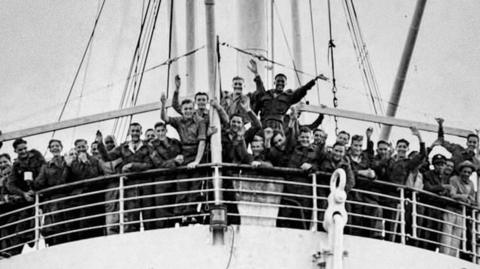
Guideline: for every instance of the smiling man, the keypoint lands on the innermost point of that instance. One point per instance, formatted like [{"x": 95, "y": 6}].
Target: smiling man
[{"x": 274, "y": 104}]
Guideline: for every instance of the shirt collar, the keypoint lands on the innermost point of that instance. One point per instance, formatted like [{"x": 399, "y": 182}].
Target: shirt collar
[{"x": 131, "y": 146}]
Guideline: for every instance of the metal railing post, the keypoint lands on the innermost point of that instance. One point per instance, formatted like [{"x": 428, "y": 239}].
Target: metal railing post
[
  {"x": 37, "y": 221},
  {"x": 414, "y": 214},
  {"x": 217, "y": 186},
  {"x": 121, "y": 217},
  {"x": 402, "y": 216},
  {"x": 474, "y": 235},
  {"x": 314, "y": 226},
  {"x": 464, "y": 228}
]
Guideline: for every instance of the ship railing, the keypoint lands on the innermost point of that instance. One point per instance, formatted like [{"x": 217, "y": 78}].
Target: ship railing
[{"x": 277, "y": 197}]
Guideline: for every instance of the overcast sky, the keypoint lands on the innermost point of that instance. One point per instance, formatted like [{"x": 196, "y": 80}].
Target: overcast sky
[{"x": 42, "y": 43}]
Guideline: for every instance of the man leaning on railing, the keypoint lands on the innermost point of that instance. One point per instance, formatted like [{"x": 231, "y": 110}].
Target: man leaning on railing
[{"x": 462, "y": 190}]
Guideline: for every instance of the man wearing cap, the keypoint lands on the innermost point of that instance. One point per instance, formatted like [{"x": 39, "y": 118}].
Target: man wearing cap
[
  {"x": 433, "y": 182},
  {"x": 462, "y": 190},
  {"x": 273, "y": 104}
]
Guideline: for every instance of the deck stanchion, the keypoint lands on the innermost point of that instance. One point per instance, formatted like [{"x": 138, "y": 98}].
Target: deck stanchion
[
  {"x": 314, "y": 226},
  {"x": 37, "y": 221},
  {"x": 217, "y": 186},
  {"x": 414, "y": 214},
  {"x": 121, "y": 217},
  {"x": 464, "y": 228},
  {"x": 402, "y": 216},
  {"x": 474, "y": 235}
]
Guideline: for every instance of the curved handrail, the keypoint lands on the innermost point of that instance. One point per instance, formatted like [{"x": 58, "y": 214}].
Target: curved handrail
[{"x": 275, "y": 175}]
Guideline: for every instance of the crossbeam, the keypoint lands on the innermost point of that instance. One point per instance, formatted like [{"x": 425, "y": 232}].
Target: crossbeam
[
  {"x": 382, "y": 119},
  {"x": 46, "y": 128}
]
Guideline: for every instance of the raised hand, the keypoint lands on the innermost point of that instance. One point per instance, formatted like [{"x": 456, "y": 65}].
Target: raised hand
[
  {"x": 369, "y": 132},
  {"x": 415, "y": 131},
  {"x": 178, "y": 82},
  {"x": 253, "y": 67},
  {"x": 212, "y": 130},
  {"x": 440, "y": 121},
  {"x": 99, "y": 137},
  {"x": 245, "y": 103},
  {"x": 163, "y": 99},
  {"x": 214, "y": 103},
  {"x": 322, "y": 77}
]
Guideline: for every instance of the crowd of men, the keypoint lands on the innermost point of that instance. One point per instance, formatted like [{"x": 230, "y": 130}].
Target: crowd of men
[{"x": 261, "y": 129}]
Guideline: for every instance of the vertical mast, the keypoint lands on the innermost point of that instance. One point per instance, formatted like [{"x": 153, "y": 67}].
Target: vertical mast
[
  {"x": 212, "y": 79},
  {"x": 190, "y": 18},
  {"x": 252, "y": 32},
  {"x": 296, "y": 40},
  {"x": 403, "y": 68},
  {"x": 173, "y": 44},
  {"x": 272, "y": 38}
]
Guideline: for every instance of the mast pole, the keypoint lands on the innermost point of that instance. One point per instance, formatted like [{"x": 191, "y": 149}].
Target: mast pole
[
  {"x": 272, "y": 39},
  {"x": 190, "y": 44},
  {"x": 403, "y": 68},
  {"x": 252, "y": 33},
  {"x": 212, "y": 78},
  {"x": 296, "y": 40},
  {"x": 173, "y": 52},
  {"x": 215, "y": 139}
]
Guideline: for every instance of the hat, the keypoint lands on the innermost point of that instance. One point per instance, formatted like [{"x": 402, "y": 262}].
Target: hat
[
  {"x": 466, "y": 164},
  {"x": 438, "y": 159}
]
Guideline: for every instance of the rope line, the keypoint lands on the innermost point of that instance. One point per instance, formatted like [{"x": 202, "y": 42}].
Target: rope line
[
  {"x": 127, "y": 82},
  {"x": 77, "y": 72},
  {"x": 314, "y": 48},
  {"x": 331, "y": 46}
]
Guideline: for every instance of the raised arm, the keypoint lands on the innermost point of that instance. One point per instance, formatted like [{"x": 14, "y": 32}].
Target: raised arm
[
  {"x": 175, "y": 102},
  {"x": 418, "y": 159},
  {"x": 256, "y": 124},
  {"x": 224, "y": 120},
  {"x": 314, "y": 125},
  {"x": 163, "y": 109},
  {"x": 370, "y": 151}
]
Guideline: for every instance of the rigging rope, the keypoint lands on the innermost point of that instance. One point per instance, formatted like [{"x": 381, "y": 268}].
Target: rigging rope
[
  {"x": 368, "y": 75},
  {"x": 139, "y": 79},
  {"x": 331, "y": 46},
  {"x": 265, "y": 59},
  {"x": 90, "y": 40},
  {"x": 314, "y": 49},
  {"x": 127, "y": 82},
  {"x": 146, "y": 55}
]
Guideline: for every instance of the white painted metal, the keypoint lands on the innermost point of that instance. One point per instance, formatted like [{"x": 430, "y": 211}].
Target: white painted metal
[
  {"x": 215, "y": 140},
  {"x": 173, "y": 45},
  {"x": 251, "y": 36},
  {"x": 382, "y": 119},
  {"x": 246, "y": 247},
  {"x": 296, "y": 40},
  {"x": 191, "y": 33}
]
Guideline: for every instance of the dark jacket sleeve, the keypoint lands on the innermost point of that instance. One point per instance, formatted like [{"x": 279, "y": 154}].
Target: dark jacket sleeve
[
  {"x": 40, "y": 182},
  {"x": 418, "y": 159},
  {"x": 12, "y": 182},
  {"x": 255, "y": 96},
  {"x": 111, "y": 155},
  {"x": 299, "y": 93},
  {"x": 314, "y": 125}
]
